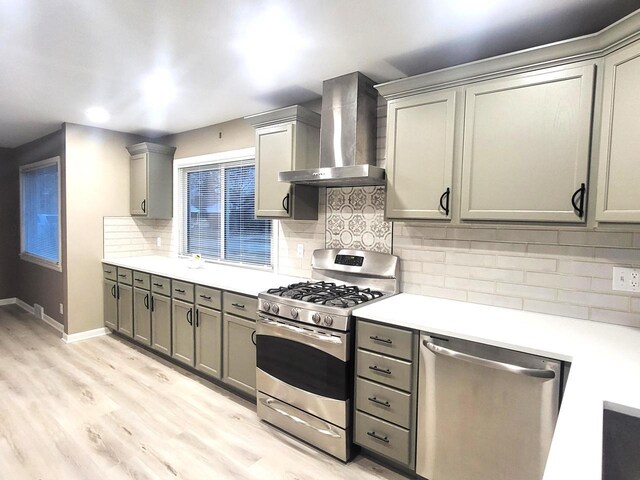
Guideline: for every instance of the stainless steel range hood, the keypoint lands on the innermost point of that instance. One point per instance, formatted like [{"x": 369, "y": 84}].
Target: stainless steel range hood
[{"x": 347, "y": 136}]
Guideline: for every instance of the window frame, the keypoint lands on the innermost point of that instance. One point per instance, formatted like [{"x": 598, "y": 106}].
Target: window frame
[
  {"x": 27, "y": 256},
  {"x": 245, "y": 156}
]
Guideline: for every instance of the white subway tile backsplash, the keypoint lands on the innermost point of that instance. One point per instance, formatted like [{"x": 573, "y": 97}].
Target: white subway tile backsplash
[
  {"x": 619, "y": 318},
  {"x": 470, "y": 284},
  {"x": 587, "y": 269},
  {"x": 527, "y": 235},
  {"x": 561, "y": 251},
  {"x": 499, "y": 247},
  {"x": 485, "y": 273},
  {"x": 636, "y": 240},
  {"x": 470, "y": 259},
  {"x": 629, "y": 256},
  {"x": 526, "y": 291},
  {"x": 610, "y": 239},
  {"x": 424, "y": 279},
  {"x": 421, "y": 255},
  {"x": 448, "y": 293},
  {"x": 555, "y": 308},
  {"x": 553, "y": 280},
  {"x": 130, "y": 236},
  {"x": 495, "y": 300},
  {"x": 527, "y": 263},
  {"x": 635, "y": 305},
  {"x": 614, "y": 302},
  {"x": 471, "y": 233}
]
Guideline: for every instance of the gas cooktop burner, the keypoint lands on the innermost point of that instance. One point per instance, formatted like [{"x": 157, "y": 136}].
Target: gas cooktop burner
[{"x": 327, "y": 293}]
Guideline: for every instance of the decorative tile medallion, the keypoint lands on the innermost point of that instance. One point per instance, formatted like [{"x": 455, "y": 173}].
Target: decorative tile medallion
[{"x": 355, "y": 219}]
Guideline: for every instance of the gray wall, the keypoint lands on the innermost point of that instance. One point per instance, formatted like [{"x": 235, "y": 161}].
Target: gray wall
[
  {"x": 35, "y": 283},
  {"x": 9, "y": 233}
]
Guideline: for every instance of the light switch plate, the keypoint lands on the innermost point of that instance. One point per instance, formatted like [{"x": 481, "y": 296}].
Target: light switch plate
[
  {"x": 300, "y": 250},
  {"x": 626, "y": 279}
]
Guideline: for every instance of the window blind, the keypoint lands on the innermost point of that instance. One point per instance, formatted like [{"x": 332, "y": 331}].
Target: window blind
[
  {"x": 219, "y": 215},
  {"x": 39, "y": 212}
]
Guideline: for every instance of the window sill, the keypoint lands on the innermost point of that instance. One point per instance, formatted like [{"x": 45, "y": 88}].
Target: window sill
[
  {"x": 27, "y": 257},
  {"x": 248, "y": 266}
]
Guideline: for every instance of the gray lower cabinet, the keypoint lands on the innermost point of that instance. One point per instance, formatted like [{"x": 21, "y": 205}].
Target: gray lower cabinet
[
  {"x": 182, "y": 332},
  {"x": 239, "y": 353},
  {"x": 161, "y": 323},
  {"x": 109, "y": 288},
  {"x": 386, "y": 391},
  {"x": 142, "y": 315},
  {"x": 209, "y": 341},
  {"x": 125, "y": 309}
]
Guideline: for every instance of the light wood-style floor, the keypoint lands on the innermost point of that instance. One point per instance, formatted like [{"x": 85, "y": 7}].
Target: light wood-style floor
[{"x": 100, "y": 409}]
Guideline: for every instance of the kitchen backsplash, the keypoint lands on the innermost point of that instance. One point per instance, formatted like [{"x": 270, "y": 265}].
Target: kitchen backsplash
[{"x": 130, "y": 236}]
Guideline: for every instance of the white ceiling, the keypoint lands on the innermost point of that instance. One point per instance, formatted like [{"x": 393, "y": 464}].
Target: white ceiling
[{"x": 230, "y": 58}]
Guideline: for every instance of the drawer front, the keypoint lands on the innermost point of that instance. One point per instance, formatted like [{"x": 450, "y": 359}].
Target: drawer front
[
  {"x": 208, "y": 297},
  {"x": 384, "y": 339},
  {"x": 384, "y": 402},
  {"x": 142, "y": 280},
  {"x": 241, "y": 305},
  {"x": 390, "y": 371},
  {"x": 182, "y": 290},
  {"x": 382, "y": 437},
  {"x": 125, "y": 276},
  {"x": 110, "y": 272},
  {"x": 161, "y": 285}
]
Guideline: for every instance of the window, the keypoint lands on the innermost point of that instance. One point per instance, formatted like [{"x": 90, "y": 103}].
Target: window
[
  {"x": 40, "y": 212},
  {"x": 217, "y": 211}
]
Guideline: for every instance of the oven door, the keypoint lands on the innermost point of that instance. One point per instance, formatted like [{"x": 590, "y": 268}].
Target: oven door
[{"x": 305, "y": 366}]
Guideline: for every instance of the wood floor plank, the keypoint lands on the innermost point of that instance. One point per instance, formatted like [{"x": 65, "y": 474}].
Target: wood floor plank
[{"x": 106, "y": 409}]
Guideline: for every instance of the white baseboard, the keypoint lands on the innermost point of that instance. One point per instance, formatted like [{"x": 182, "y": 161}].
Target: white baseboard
[
  {"x": 76, "y": 337},
  {"x": 24, "y": 306},
  {"x": 7, "y": 301},
  {"x": 52, "y": 323}
]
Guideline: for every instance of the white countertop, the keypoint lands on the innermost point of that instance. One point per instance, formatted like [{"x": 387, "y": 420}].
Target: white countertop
[
  {"x": 605, "y": 364},
  {"x": 225, "y": 277}
]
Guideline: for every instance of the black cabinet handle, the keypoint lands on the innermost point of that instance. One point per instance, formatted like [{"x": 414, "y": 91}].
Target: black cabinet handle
[
  {"x": 190, "y": 317},
  {"x": 139, "y": 280},
  {"x": 179, "y": 290},
  {"x": 376, "y": 338},
  {"x": 378, "y": 437},
  {"x": 578, "y": 205},
  {"x": 380, "y": 402},
  {"x": 146, "y": 301},
  {"x": 238, "y": 305},
  {"x": 118, "y": 292},
  {"x": 152, "y": 304},
  {"x": 375, "y": 368},
  {"x": 108, "y": 271},
  {"x": 123, "y": 275},
  {"x": 444, "y": 201},
  {"x": 197, "y": 318},
  {"x": 144, "y": 206},
  {"x": 159, "y": 285},
  {"x": 206, "y": 297},
  {"x": 253, "y": 337},
  {"x": 285, "y": 202},
  {"x": 113, "y": 291}
]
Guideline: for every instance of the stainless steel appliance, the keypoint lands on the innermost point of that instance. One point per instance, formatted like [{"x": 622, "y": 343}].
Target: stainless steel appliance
[
  {"x": 304, "y": 345},
  {"x": 485, "y": 413}
]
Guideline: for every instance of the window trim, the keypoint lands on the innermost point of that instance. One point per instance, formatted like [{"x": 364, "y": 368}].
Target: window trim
[
  {"x": 30, "y": 257},
  {"x": 233, "y": 156}
]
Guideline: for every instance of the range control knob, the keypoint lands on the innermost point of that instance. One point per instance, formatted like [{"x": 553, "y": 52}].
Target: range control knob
[
  {"x": 294, "y": 313},
  {"x": 266, "y": 306},
  {"x": 328, "y": 320},
  {"x": 275, "y": 308},
  {"x": 315, "y": 317}
]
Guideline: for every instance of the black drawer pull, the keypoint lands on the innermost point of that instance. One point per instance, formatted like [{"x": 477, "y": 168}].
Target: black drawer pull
[
  {"x": 378, "y": 437},
  {"x": 238, "y": 305},
  {"x": 139, "y": 280},
  {"x": 123, "y": 275},
  {"x": 179, "y": 290},
  {"x": 206, "y": 297},
  {"x": 108, "y": 271},
  {"x": 384, "y": 403},
  {"x": 375, "y": 368},
  {"x": 159, "y": 285},
  {"x": 376, "y": 338}
]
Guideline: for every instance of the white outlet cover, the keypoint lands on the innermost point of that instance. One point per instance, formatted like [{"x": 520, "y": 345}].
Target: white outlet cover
[
  {"x": 626, "y": 279},
  {"x": 300, "y": 250}
]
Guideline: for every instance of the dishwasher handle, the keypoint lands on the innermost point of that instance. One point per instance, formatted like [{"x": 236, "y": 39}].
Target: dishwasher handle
[{"x": 507, "y": 367}]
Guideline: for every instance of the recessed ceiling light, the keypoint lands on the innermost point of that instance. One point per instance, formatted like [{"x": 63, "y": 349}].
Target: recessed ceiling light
[
  {"x": 159, "y": 87},
  {"x": 97, "y": 114}
]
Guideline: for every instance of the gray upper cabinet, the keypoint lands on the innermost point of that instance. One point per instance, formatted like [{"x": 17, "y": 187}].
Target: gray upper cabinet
[
  {"x": 526, "y": 146},
  {"x": 619, "y": 164},
  {"x": 420, "y": 143},
  {"x": 286, "y": 139},
  {"x": 151, "y": 169}
]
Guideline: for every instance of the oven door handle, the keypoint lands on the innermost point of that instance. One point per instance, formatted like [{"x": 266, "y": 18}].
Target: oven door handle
[
  {"x": 271, "y": 404},
  {"x": 301, "y": 331}
]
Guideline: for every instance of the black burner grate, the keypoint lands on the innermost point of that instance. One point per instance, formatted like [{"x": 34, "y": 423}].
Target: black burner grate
[{"x": 326, "y": 293}]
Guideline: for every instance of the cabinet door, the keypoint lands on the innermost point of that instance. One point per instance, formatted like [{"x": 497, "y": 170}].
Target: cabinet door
[
  {"x": 239, "y": 353},
  {"x": 274, "y": 153},
  {"x": 161, "y": 323},
  {"x": 110, "y": 295},
  {"x": 125, "y": 309},
  {"x": 526, "y": 146},
  {"x": 142, "y": 315},
  {"x": 139, "y": 183},
  {"x": 183, "y": 340},
  {"x": 208, "y": 341},
  {"x": 619, "y": 160},
  {"x": 420, "y": 136}
]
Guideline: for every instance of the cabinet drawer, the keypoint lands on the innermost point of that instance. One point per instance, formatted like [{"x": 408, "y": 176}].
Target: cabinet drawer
[
  {"x": 125, "y": 276},
  {"x": 383, "y": 339},
  {"x": 208, "y": 297},
  {"x": 160, "y": 285},
  {"x": 390, "y": 371},
  {"x": 383, "y": 437},
  {"x": 384, "y": 402},
  {"x": 109, "y": 272},
  {"x": 142, "y": 280},
  {"x": 240, "y": 305},
  {"x": 182, "y": 290}
]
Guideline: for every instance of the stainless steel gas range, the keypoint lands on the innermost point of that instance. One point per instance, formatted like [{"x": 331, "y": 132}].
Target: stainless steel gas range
[{"x": 305, "y": 345}]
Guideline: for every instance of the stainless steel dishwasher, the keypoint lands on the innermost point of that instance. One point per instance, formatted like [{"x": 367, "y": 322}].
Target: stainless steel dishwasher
[{"x": 485, "y": 413}]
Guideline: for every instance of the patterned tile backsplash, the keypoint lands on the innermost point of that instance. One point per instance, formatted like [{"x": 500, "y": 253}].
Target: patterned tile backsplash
[{"x": 355, "y": 219}]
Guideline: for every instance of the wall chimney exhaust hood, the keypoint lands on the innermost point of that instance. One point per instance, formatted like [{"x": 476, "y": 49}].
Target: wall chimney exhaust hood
[{"x": 347, "y": 136}]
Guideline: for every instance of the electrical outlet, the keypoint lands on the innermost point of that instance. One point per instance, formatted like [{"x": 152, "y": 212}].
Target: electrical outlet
[
  {"x": 626, "y": 279},
  {"x": 61, "y": 309},
  {"x": 300, "y": 250},
  {"x": 158, "y": 241}
]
